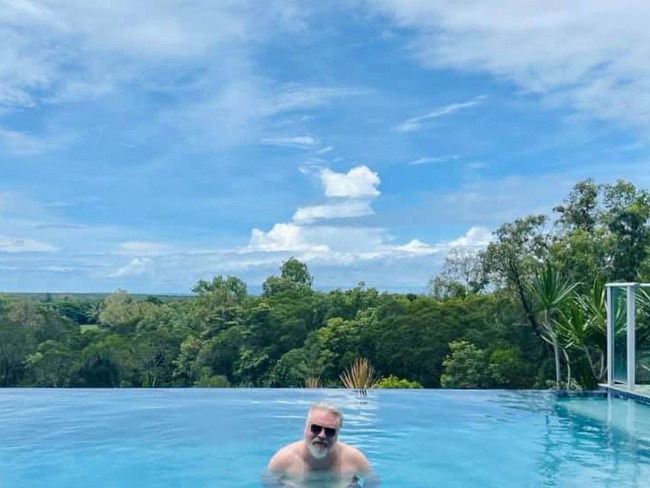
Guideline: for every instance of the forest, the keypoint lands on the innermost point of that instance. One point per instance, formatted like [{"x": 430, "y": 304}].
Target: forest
[{"x": 528, "y": 311}]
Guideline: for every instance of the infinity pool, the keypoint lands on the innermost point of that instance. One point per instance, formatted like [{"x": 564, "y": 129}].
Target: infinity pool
[{"x": 198, "y": 438}]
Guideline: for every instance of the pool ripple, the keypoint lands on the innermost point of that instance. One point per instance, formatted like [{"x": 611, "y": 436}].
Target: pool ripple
[{"x": 223, "y": 437}]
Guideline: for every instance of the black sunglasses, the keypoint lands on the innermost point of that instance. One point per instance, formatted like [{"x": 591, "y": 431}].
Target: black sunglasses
[{"x": 329, "y": 431}]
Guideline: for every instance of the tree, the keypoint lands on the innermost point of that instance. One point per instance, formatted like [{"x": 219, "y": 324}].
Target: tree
[
  {"x": 462, "y": 273},
  {"x": 224, "y": 291},
  {"x": 604, "y": 232},
  {"x": 292, "y": 369},
  {"x": 294, "y": 275},
  {"x": 51, "y": 365},
  {"x": 517, "y": 253},
  {"x": 580, "y": 210},
  {"x": 465, "y": 367},
  {"x": 121, "y": 312},
  {"x": 626, "y": 215}
]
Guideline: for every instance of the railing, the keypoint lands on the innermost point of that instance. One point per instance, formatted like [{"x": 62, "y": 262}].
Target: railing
[{"x": 630, "y": 346}]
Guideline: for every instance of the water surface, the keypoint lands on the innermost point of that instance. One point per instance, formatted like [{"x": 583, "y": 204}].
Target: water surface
[{"x": 195, "y": 438}]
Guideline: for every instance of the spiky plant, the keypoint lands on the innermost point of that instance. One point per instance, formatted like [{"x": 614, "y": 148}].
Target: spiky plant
[
  {"x": 360, "y": 376},
  {"x": 312, "y": 382}
]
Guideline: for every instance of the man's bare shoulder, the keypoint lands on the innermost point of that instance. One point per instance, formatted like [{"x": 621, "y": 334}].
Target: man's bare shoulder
[
  {"x": 355, "y": 457},
  {"x": 285, "y": 458}
]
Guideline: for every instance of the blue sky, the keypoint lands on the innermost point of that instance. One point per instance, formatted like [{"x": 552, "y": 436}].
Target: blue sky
[{"x": 147, "y": 145}]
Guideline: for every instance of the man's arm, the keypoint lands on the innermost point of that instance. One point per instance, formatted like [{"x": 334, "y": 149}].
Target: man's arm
[
  {"x": 271, "y": 480},
  {"x": 276, "y": 470},
  {"x": 370, "y": 480},
  {"x": 364, "y": 469}
]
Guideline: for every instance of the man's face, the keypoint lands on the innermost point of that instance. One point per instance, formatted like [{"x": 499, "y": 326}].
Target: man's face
[{"x": 321, "y": 432}]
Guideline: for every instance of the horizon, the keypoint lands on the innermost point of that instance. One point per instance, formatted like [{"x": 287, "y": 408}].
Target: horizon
[{"x": 148, "y": 146}]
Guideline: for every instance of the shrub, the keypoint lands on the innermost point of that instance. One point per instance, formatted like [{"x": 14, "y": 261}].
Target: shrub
[{"x": 393, "y": 381}]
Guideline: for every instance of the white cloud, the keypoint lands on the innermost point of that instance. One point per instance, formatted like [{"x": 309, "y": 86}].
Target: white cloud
[
  {"x": 241, "y": 105},
  {"x": 429, "y": 160},
  {"x": 417, "y": 123},
  {"x": 301, "y": 142},
  {"x": 425, "y": 160},
  {"x": 325, "y": 150},
  {"x": 418, "y": 248},
  {"x": 299, "y": 97},
  {"x": 359, "y": 182},
  {"x": 282, "y": 237},
  {"x": 352, "y": 193},
  {"x": 25, "y": 144},
  {"x": 136, "y": 267},
  {"x": 474, "y": 237},
  {"x": 327, "y": 246},
  {"x": 588, "y": 56},
  {"x": 58, "y": 52},
  {"x": 19, "y": 245},
  {"x": 341, "y": 210},
  {"x": 85, "y": 36}
]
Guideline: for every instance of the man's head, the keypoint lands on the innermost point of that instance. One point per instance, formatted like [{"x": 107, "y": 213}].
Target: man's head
[{"x": 324, "y": 421}]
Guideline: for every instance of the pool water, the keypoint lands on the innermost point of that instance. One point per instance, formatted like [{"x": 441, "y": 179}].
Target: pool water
[{"x": 199, "y": 438}]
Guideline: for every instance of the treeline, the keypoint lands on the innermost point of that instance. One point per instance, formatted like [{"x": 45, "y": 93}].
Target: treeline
[{"x": 527, "y": 312}]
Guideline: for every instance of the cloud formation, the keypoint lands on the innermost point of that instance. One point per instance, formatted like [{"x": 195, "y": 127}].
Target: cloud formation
[
  {"x": 20, "y": 245},
  {"x": 359, "y": 182},
  {"x": 588, "y": 57},
  {"x": 182, "y": 106},
  {"x": 340, "y": 210},
  {"x": 301, "y": 142},
  {"x": 419, "y": 122},
  {"x": 310, "y": 238}
]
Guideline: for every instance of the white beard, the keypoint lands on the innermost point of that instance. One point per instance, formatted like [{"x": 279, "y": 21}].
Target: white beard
[{"x": 318, "y": 451}]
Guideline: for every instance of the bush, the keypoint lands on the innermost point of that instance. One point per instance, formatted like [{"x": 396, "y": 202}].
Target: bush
[
  {"x": 393, "y": 381},
  {"x": 208, "y": 380}
]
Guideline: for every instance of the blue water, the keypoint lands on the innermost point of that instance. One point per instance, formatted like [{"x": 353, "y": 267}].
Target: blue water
[{"x": 223, "y": 437}]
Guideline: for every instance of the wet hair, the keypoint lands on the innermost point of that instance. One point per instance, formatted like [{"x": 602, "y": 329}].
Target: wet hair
[{"x": 333, "y": 409}]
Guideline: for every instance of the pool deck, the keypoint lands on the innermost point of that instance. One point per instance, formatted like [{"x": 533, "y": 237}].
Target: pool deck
[{"x": 641, "y": 393}]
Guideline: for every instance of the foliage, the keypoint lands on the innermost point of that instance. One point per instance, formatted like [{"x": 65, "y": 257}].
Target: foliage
[
  {"x": 462, "y": 274},
  {"x": 209, "y": 380},
  {"x": 465, "y": 367},
  {"x": 551, "y": 291},
  {"x": 360, "y": 376},
  {"x": 392, "y": 381}
]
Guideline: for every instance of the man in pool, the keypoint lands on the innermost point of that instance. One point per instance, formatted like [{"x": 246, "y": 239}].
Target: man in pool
[{"x": 320, "y": 460}]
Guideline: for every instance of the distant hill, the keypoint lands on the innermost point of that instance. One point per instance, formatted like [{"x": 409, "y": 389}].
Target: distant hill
[{"x": 88, "y": 296}]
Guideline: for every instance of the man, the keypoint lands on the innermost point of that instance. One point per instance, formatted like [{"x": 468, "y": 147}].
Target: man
[{"x": 320, "y": 460}]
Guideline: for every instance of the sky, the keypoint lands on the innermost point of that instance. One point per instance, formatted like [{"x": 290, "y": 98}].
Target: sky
[{"x": 147, "y": 145}]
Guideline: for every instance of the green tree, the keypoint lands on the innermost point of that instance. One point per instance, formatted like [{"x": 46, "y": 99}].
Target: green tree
[
  {"x": 516, "y": 255},
  {"x": 627, "y": 211},
  {"x": 294, "y": 275},
  {"x": 465, "y": 367},
  {"x": 604, "y": 232},
  {"x": 51, "y": 365},
  {"x": 462, "y": 274}
]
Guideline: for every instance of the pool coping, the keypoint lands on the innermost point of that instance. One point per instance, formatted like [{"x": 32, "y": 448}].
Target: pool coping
[
  {"x": 623, "y": 393},
  {"x": 605, "y": 391}
]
